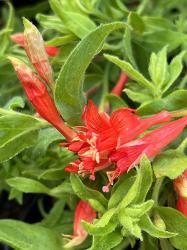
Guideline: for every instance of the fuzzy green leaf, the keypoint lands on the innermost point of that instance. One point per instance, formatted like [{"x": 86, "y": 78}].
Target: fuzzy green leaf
[
  {"x": 176, "y": 222},
  {"x": 158, "y": 67},
  {"x": 138, "y": 191},
  {"x": 174, "y": 101},
  {"x": 104, "y": 225},
  {"x": 106, "y": 242},
  {"x": 85, "y": 193},
  {"x": 170, "y": 163},
  {"x": 147, "y": 226},
  {"x": 69, "y": 87},
  {"x": 130, "y": 71}
]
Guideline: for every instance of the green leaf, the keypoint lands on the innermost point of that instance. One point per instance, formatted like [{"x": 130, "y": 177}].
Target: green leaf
[
  {"x": 170, "y": 163},
  {"x": 103, "y": 225},
  {"x": 77, "y": 23},
  {"x": 55, "y": 214},
  {"x": 138, "y": 96},
  {"x": 138, "y": 191},
  {"x": 139, "y": 209},
  {"x": 120, "y": 190},
  {"x": 130, "y": 71},
  {"x": 136, "y": 22},
  {"x": 45, "y": 138},
  {"x": 166, "y": 245},
  {"x": 61, "y": 189},
  {"x": 147, "y": 226},
  {"x": 146, "y": 178},
  {"x": 85, "y": 193},
  {"x": 129, "y": 226},
  {"x": 149, "y": 243},
  {"x": 174, "y": 101},
  {"x": 27, "y": 185},
  {"x": 166, "y": 37},
  {"x": 61, "y": 40},
  {"x": 69, "y": 87},
  {"x": 174, "y": 69},
  {"x": 128, "y": 47},
  {"x": 4, "y": 36},
  {"x": 106, "y": 242},
  {"x": 51, "y": 22},
  {"x": 176, "y": 222},
  {"x": 15, "y": 102},
  {"x": 23, "y": 236},
  {"x": 158, "y": 67},
  {"x": 17, "y": 132},
  {"x": 115, "y": 101}
]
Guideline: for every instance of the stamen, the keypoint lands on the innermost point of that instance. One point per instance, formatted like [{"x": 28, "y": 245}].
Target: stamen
[{"x": 105, "y": 189}]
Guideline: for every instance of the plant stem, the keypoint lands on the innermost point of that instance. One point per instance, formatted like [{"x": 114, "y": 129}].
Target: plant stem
[{"x": 156, "y": 189}]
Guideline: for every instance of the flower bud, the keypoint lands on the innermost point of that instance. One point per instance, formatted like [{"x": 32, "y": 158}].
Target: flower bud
[
  {"x": 19, "y": 38},
  {"x": 84, "y": 212},
  {"x": 180, "y": 185},
  {"x": 34, "y": 46},
  {"x": 38, "y": 95}
]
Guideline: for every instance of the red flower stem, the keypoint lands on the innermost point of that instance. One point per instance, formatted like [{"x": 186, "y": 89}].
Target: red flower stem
[{"x": 123, "y": 79}]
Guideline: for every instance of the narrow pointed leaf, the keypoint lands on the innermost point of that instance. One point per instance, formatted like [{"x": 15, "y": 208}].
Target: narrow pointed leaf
[{"x": 69, "y": 87}]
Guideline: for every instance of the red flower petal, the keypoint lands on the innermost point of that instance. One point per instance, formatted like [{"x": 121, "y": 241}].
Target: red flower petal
[
  {"x": 140, "y": 125},
  {"x": 94, "y": 121}
]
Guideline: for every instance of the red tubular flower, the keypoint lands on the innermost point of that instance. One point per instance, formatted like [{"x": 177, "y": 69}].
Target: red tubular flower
[
  {"x": 19, "y": 39},
  {"x": 38, "y": 95},
  {"x": 52, "y": 50},
  {"x": 84, "y": 212},
  {"x": 120, "y": 84},
  {"x": 129, "y": 154},
  {"x": 180, "y": 185},
  {"x": 104, "y": 140},
  {"x": 35, "y": 49},
  {"x": 182, "y": 205}
]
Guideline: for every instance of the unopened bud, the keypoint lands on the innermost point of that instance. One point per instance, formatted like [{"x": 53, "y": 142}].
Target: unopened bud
[{"x": 34, "y": 46}]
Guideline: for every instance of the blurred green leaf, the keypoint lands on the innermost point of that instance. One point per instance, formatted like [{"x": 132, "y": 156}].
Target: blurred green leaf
[
  {"x": 23, "y": 236},
  {"x": 78, "y": 24},
  {"x": 106, "y": 242},
  {"x": 176, "y": 222}
]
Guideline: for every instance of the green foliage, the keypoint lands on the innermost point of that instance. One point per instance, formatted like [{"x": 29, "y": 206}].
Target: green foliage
[
  {"x": 146, "y": 40},
  {"x": 171, "y": 163},
  {"x": 23, "y": 236},
  {"x": 97, "y": 199},
  {"x": 69, "y": 87},
  {"x": 176, "y": 222},
  {"x": 18, "y": 131}
]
